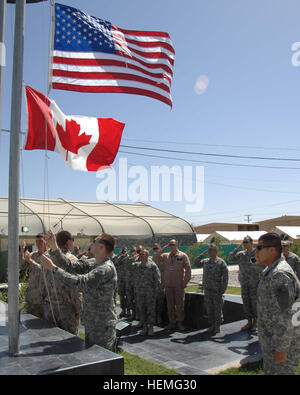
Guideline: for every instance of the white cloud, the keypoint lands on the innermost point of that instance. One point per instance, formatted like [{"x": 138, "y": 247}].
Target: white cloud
[{"x": 201, "y": 84}]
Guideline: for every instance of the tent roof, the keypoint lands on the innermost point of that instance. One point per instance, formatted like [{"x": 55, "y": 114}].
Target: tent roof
[
  {"x": 239, "y": 235},
  {"x": 201, "y": 236},
  {"x": 292, "y": 231},
  {"x": 92, "y": 218}
]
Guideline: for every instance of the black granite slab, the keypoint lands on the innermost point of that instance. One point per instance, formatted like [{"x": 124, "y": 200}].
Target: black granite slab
[
  {"x": 46, "y": 349},
  {"x": 195, "y": 313}
]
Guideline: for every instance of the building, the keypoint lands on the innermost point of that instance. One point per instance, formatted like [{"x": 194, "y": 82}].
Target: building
[
  {"x": 266, "y": 225},
  {"x": 234, "y": 237},
  {"x": 285, "y": 220},
  {"x": 293, "y": 232},
  {"x": 216, "y": 226}
]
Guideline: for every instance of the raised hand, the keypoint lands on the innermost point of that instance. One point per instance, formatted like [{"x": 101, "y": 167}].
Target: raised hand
[{"x": 51, "y": 240}]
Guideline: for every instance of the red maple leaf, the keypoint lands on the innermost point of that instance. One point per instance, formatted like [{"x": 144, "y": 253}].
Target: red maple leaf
[{"x": 70, "y": 139}]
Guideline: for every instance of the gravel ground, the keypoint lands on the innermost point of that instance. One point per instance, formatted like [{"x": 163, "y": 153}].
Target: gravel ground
[{"x": 232, "y": 281}]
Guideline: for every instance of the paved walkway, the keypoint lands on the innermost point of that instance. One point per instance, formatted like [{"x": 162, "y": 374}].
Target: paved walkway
[
  {"x": 232, "y": 279},
  {"x": 194, "y": 352}
]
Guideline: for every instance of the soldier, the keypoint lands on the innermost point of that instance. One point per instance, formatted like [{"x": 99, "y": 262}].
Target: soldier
[
  {"x": 177, "y": 274},
  {"x": 120, "y": 264},
  {"x": 292, "y": 259},
  {"x": 249, "y": 275},
  {"x": 63, "y": 305},
  {"x": 97, "y": 279},
  {"x": 277, "y": 291},
  {"x": 113, "y": 257},
  {"x": 160, "y": 300},
  {"x": 77, "y": 252},
  {"x": 130, "y": 297},
  {"x": 147, "y": 285},
  {"x": 215, "y": 281},
  {"x": 34, "y": 294}
]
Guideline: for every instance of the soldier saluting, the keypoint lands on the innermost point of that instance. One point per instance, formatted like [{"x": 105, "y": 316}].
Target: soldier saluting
[
  {"x": 277, "y": 291},
  {"x": 215, "y": 281},
  {"x": 249, "y": 275}
]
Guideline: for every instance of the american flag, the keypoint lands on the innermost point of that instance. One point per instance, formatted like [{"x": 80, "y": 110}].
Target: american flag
[{"x": 93, "y": 55}]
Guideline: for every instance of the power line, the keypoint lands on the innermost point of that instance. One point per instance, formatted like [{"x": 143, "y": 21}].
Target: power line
[
  {"x": 253, "y": 189},
  {"x": 207, "y": 154},
  {"x": 212, "y": 163},
  {"x": 202, "y": 144},
  {"x": 214, "y": 145},
  {"x": 237, "y": 186}
]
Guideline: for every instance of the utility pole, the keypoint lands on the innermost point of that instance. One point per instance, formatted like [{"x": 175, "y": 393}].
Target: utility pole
[{"x": 248, "y": 218}]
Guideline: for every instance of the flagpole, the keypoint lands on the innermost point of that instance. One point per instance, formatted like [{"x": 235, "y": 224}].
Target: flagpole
[
  {"x": 13, "y": 196},
  {"x": 2, "y": 48},
  {"x": 51, "y": 47}
]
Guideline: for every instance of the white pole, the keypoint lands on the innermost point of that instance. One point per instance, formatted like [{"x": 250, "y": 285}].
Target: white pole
[{"x": 13, "y": 196}]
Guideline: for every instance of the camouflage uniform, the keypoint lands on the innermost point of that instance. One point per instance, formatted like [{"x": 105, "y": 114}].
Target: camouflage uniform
[
  {"x": 249, "y": 275},
  {"x": 294, "y": 261},
  {"x": 215, "y": 281},
  {"x": 113, "y": 257},
  {"x": 277, "y": 292},
  {"x": 120, "y": 265},
  {"x": 129, "y": 280},
  {"x": 34, "y": 294},
  {"x": 62, "y": 305},
  {"x": 98, "y": 284},
  {"x": 147, "y": 284},
  {"x": 160, "y": 301}
]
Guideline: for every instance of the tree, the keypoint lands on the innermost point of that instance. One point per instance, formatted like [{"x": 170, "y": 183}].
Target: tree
[
  {"x": 295, "y": 248},
  {"x": 193, "y": 251}
]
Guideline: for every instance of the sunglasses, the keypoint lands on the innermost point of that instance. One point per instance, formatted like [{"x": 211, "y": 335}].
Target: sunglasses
[
  {"x": 155, "y": 248},
  {"x": 246, "y": 242},
  {"x": 172, "y": 244},
  {"x": 260, "y": 247}
]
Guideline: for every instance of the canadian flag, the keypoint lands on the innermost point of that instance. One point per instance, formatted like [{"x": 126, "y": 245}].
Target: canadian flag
[{"x": 84, "y": 143}]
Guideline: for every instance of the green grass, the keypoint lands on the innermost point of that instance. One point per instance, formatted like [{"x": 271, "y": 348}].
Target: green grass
[
  {"x": 135, "y": 365},
  {"x": 229, "y": 290},
  {"x": 248, "y": 369}
]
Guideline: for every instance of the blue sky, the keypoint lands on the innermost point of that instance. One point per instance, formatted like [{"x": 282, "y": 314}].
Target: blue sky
[{"x": 243, "y": 48}]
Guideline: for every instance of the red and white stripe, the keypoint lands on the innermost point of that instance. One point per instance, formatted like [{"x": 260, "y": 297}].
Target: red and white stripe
[{"x": 142, "y": 64}]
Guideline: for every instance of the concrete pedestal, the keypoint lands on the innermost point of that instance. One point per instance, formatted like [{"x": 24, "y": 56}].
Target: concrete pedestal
[{"x": 46, "y": 349}]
